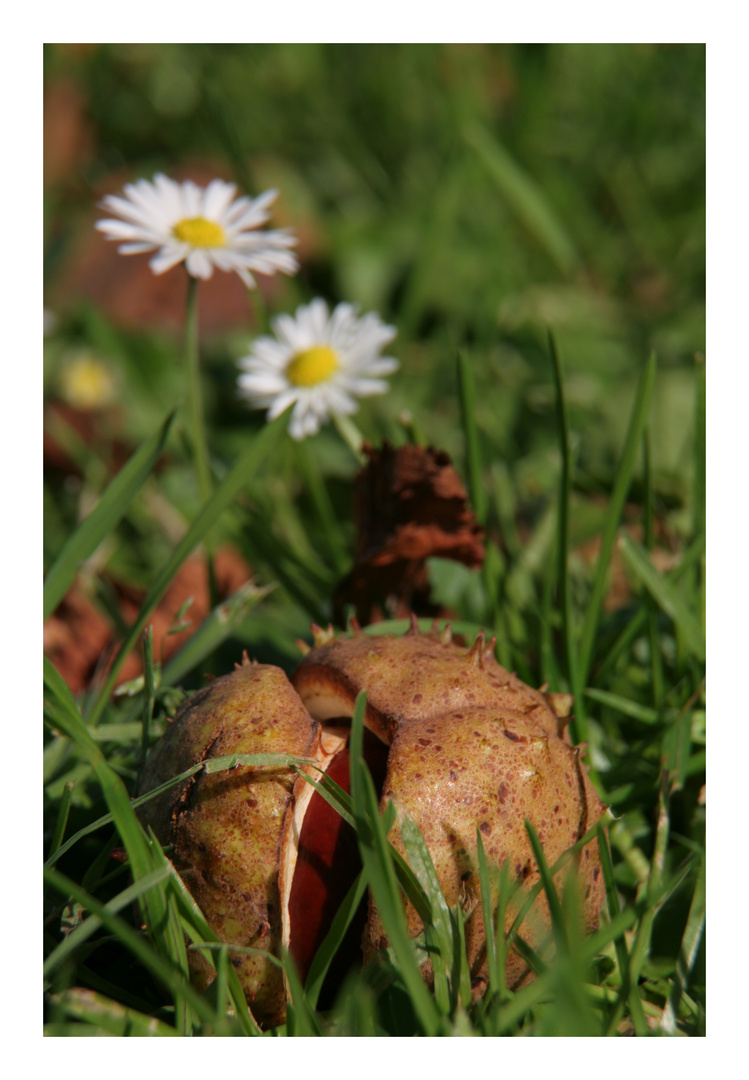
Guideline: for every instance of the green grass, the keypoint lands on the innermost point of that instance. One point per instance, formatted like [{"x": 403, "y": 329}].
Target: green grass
[{"x": 545, "y": 271}]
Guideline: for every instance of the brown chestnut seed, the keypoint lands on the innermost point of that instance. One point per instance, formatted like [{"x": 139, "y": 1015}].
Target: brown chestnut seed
[{"x": 454, "y": 740}]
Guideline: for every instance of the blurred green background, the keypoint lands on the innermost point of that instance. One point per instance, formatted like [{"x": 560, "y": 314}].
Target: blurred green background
[{"x": 474, "y": 195}]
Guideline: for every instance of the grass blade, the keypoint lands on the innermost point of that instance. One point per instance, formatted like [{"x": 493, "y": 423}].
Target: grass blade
[
  {"x": 159, "y": 966},
  {"x": 104, "y": 518},
  {"x": 200, "y": 933},
  {"x": 563, "y": 544},
  {"x": 301, "y": 1018},
  {"x": 547, "y": 881},
  {"x": 628, "y": 993},
  {"x": 443, "y": 948},
  {"x": 93, "y": 922},
  {"x": 213, "y": 631},
  {"x": 110, "y": 1017},
  {"x": 62, "y": 818},
  {"x": 491, "y": 569},
  {"x": 210, "y": 765},
  {"x": 524, "y": 197},
  {"x": 668, "y": 599},
  {"x": 690, "y": 943},
  {"x": 476, "y": 487},
  {"x": 378, "y": 865},
  {"x": 255, "y": 455},
  {"x": 632, "y": 444},
  {"x": 333, "y": 939}
]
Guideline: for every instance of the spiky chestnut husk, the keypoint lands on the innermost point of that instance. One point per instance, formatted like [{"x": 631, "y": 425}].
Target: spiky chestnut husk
[
  {"x": 226, "y": 828},
  {"x": 470, "y": 746},
  {"x": 459, "y": 744}
]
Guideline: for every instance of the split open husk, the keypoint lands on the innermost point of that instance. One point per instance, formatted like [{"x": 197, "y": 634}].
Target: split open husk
[{"x": 455, "y": 741}]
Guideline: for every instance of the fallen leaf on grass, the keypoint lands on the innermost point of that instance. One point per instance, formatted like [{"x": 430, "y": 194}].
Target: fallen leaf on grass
[
  {"x": 81, "y": 643},
  {"x": 409, "y": 505}
]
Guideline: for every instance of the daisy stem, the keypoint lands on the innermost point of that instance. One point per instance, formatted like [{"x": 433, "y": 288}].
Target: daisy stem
[
  {"x": 196, "y": 420},
  {"x": 351, "y": 435},
  {"x": 194, "y": 393},
  {"x": 259, "y": 310}
]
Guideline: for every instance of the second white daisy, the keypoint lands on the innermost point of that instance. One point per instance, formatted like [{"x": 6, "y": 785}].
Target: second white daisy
[
  {"x": 202, "y": 227},
  {"x": 319, "y": 363}
]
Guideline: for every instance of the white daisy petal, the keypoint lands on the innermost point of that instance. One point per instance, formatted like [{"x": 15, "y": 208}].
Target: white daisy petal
[
  {"x": 320, "y": 362},
  {"x": 367, "y": 387},
  {"x": 119, "y": 230},
  {"x": 206, "y": 228},
  {"x": 247, "y": 213},
  {"x": 135, "y": 248},
  {"x": 262, "y": 382},
  {"x": 217, "y": 199},
  {"x": 167, "y": 258},
  {"x": 199, "y": 264},
  {"x": 282, "y": 402}
]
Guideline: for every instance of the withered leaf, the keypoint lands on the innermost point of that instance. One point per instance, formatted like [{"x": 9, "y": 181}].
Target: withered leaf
[{"x": 409, "y": 505}]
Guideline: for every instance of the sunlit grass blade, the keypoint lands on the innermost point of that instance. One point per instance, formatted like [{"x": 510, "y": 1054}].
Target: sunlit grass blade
[
  {"x": 572, "y": 1012},
  {"x": 378, "y": 864},
  {"x": 668, "y": 599},
  {"x": 104, "y": 518},
  {"x": 638, "y": 622},
  {"x": 213, "y": 631},
  {"x": 109, "y": 1017},
  {"x": 632, "y": 445},
  {"x": 210, "y": 765},
  {"x": 440, "y": 936},
  {"x": 340, "y": 800},
  {"x": 242, "y": 471}
]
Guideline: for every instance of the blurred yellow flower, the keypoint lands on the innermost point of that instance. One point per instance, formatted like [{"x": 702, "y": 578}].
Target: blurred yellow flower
[{"x": 86, "y": 383}]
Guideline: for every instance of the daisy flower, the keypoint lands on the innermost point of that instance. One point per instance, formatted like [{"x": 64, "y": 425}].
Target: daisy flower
[
  {"x": 319, "y": 363},
  {"x": 202, "y": 227}
]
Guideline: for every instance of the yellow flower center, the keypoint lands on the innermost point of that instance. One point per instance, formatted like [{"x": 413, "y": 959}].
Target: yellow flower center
[
  {"x": 312, "y": 366},
  {"x": 199, "y": 232},
  {"x": 85, "y": 383}
]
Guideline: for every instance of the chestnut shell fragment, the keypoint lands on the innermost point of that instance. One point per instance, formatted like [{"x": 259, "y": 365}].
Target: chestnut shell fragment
[{"x": 457, "y": 742}]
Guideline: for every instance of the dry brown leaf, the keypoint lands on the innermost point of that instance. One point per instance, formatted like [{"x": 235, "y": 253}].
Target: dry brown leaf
[
  {"x": 81, "y": 644},
  {"x": 409, "y": 505}
]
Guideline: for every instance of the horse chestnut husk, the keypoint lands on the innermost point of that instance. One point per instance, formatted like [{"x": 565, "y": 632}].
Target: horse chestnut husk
[{"x": 452, "y": 738}]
